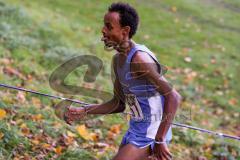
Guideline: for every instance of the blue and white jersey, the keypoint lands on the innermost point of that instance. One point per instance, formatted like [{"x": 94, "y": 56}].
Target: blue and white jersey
[{"x": 145, "y": 103}]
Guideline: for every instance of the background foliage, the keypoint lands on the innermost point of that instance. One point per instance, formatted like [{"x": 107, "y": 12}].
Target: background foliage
[{"x": 197, "y": 40}]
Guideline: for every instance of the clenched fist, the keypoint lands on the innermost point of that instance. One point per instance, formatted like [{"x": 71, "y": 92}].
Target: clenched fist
[{"x": 73, "y": 114}]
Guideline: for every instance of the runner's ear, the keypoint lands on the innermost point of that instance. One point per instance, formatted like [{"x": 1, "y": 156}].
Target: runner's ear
[{"x": 126, "y": 30}]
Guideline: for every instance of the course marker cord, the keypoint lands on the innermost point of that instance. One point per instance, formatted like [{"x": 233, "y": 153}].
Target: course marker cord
[{"x": 222, "y": 135}]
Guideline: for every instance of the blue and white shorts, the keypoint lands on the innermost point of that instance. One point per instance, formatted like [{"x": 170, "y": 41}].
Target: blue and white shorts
[{"x": 138, "y": 141}]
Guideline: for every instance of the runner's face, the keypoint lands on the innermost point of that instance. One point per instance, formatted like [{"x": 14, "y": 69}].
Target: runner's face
[{"x": 112, "y": 30}]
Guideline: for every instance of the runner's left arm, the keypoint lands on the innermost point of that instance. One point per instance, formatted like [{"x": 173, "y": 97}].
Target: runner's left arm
[{"x": 147, "y": 68}]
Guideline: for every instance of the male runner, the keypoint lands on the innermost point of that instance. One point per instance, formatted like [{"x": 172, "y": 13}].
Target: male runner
[{"x": 138, "y": 83}]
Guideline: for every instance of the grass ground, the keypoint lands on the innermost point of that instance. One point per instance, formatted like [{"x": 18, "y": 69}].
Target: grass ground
[{"x": 197, "y": 40}]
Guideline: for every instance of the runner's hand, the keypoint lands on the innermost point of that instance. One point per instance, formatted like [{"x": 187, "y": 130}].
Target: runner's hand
[
  {"x": 161, "y": 152},
  {"x": 73, "y": 114}
]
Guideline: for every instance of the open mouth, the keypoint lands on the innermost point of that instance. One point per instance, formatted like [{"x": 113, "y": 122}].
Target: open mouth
[
  {"x": 108, "y": 43},
  {"x": 105, "y": 39}
]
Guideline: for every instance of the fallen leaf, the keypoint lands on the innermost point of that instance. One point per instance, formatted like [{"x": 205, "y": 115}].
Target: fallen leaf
[
  {"x": 102, "y": 149},
  {"x": 58, "y": 150},
  {"x": 25, "y": 130},
  {"x": 36, "y": 142},
  {"x": 88, "y": 29},
  {"x": 21, "y": 97},
  {"x": 94, "y": 137},
  {"x": 2, "y": 113},
  {"x": 218, "y": 111},
  {"x": 232, "y": 101},
  {"x": 213, "y": 60},
  {"x": 236, "y": 114},
  {"x": 13, "y": 122},
  {"x": 190, "y": 77},
  {"x": 225, "y": 83},
  {"x": 23, "y": 125},
  {"x": 101, "y": 145},
  {"x": 83, "y": 132},
  {"x": 36, "y": 102},
  {"x": 5, "y": 61},
  {"x": 18, "y": 121},
  {"x": 1, "y": 135},
  {"x": 174, "y": 9},
  {"x": 27, "y": 157},
  {"x": 11, "y": 71},
  {"x": 46, "y": 146},
  {"x": 110, "y": 135},
  {"x": 37, "y": 117},
  {"x": 57, "y": 124},
  {"x": 146, "y": 36},
  {"x": 116, "y": 129},
  {"x": 188, "y": 59},
  {"x": 68, "y": 140},
  {"x": 29, "y": 77}
]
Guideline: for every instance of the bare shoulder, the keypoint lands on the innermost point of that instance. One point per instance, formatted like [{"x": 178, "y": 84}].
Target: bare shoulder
[
  {"x": 115, "y": 58},
  {"x": 114, "y": 62},
  {"x": 142, "y": 62},
  {"x": 142, "y": 57}
]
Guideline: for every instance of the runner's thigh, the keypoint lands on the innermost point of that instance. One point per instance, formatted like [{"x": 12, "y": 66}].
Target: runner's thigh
[{"x": 131, "y": 152}]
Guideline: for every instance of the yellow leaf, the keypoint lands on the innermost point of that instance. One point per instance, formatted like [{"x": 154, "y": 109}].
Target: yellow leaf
[
  {"x": 18, "y": 121},
  {"x": 2, "y": 113},
  {"x": 94, "y": 137},
  {"x": 46, "y": 146},
  {"x": 36, "y": 102},
  {"x": 146, "y": 36},
  {"x": 83, "y": 132},
  {"x": 37, "y": 117},
  {"x": 58, "y": 150},
  {"x": 23, "y": 125},
  {"x": 36, "y": 142},
  {"x": 174, "y": 9},
  {"x": 69, "y": 140},
  {"x": 1, "y": 135},
  {"x": 25, "y": 130},
  {"x": 116, "y": 128}
]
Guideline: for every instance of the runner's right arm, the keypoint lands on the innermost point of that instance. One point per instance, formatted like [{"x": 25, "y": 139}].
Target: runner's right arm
[{"x": 115, "y": 105}]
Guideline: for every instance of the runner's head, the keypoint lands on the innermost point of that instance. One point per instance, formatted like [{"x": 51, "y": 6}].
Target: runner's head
[{"x": 120, "y": 23}]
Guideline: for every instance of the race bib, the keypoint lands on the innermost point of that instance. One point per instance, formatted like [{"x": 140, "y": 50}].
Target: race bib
[{"x": 135, "y": 109}]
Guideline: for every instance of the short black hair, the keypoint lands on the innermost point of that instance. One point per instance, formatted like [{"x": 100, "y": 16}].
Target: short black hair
[{"x": 128, "y": 16}]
